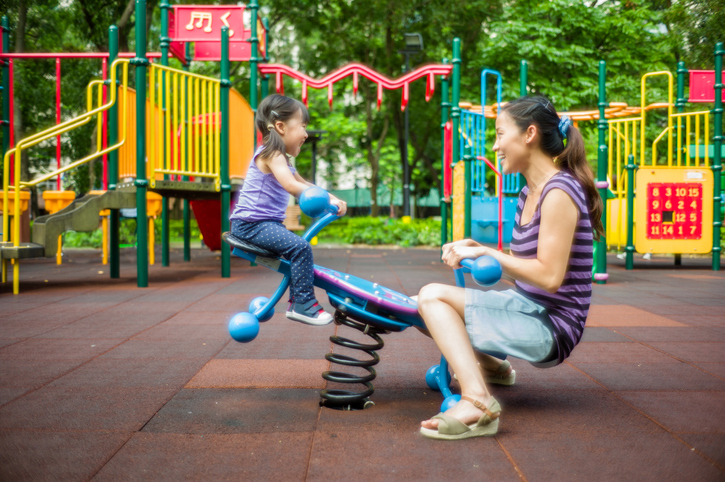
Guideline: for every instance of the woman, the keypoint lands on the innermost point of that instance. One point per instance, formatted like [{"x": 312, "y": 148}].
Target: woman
[{"x": 557, "y": 218}]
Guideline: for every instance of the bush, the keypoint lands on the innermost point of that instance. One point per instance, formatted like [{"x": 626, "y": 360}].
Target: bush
[
  {"x": 377, "y": 231},
  {"x": 127, "y": 234}
]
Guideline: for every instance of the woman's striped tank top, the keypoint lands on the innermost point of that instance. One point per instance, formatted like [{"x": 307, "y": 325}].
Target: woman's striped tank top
[{"x": 569, "y": 306}]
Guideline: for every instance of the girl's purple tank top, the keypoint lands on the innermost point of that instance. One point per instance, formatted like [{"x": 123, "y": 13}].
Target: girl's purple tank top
[{"x": 263, "y": 198}]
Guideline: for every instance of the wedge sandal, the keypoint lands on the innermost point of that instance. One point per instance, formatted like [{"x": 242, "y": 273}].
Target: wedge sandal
[{"x": 450, "y": 428}]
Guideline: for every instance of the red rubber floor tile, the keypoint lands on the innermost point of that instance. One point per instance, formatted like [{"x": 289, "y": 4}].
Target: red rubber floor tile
[
  {"x": 45, "y": 349},
  {"x": 29, "y": 455},
  {"x": 83, "y": 409},
  {"x": 597, "y": 456},
  {"x": 651, "y": 376},
  {"x": 260, "y": 374},
  {"x": 9, "y": 394},
  {"x": 688, "y": 412},
  {"x": 676, "y": 334},
  {"x": 224, "y": 411},
  {"x": 602, "y": 335},
  {"x": 406, "y": 455},
  {"x": 113, "y": 325},
  {"x": 694, "y": 351},
  {"x": 166, "y": 350},
  {"x": 575, "y": 411},
  {"x": 254, "y": 456},
  {"x": 264, "y": 348},
  {"x": 623, "y": 315},
  {"x": 220, "y": 318},
  {"x": 34, "y": 373},
  {"x": 177, "y": 332},
  {"x": 717, "y": 369},
  {"x": 712, "y": 445},
  {"x": 104, "y": 373},
  {"x": 227, "y": 302},
  {"x": 617, "y": 352},
  {"x": 561, "y": 377}
]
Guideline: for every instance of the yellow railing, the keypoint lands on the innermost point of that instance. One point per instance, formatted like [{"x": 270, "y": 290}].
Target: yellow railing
[
  {"x": 697, "y": 138},
  {"x": 51, "y": 133},
  {"x": 185, "y": 140},
  {"x": 668, "y": 131},
  {"x": 622, "y": 143}
]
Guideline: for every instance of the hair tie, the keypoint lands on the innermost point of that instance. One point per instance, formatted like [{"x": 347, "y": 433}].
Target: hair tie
[
  {"x": 564, "y": 125},
  {"x": 270, "y": 127}
]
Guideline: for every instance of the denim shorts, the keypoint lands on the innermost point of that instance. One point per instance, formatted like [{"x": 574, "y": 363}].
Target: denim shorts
[{"x": 501, "y": 323}]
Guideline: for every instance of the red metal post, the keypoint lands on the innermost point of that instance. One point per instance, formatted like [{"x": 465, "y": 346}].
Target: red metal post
[
  {"x": 11, "y": 95},
  {"x": 59, "y": 185}
]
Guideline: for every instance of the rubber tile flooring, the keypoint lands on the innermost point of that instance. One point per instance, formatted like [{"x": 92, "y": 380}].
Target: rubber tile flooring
[{"x": 101, "y": 380}]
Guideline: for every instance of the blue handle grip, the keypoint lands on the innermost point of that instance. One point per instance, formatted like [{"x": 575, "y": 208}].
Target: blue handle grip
[{"x": 485, "y": 271}]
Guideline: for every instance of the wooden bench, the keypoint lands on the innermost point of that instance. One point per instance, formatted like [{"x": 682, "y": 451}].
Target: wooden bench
[{"x": 292, "y": 221}]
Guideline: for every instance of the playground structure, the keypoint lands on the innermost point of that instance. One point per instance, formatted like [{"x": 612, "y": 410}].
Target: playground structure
[
  {"x": 677, "y": 186},
  {"x": 185, "y": 123},
  {"x": 360, "y": 304},
  {"x": 678, "y": 209}
]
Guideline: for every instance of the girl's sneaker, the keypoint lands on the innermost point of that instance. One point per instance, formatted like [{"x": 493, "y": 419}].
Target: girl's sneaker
[{"x": 310, "y": 313}]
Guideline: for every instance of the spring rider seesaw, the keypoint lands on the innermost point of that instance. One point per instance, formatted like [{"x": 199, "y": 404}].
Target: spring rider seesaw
[{"x": 360, "y": 304}]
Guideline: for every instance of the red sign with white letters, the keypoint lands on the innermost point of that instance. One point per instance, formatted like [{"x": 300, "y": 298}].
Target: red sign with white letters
[{"x": 204, "y": 22}]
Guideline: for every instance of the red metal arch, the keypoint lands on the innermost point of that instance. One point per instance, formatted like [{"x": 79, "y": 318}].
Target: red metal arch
[{"x": 356, "y": 70}]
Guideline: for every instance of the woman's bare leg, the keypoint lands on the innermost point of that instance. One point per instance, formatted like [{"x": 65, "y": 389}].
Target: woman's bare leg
[{"x": 442, "y": 308}]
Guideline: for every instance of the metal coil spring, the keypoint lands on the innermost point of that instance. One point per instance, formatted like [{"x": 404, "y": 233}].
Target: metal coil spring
[{"x": 345, "y": 399}]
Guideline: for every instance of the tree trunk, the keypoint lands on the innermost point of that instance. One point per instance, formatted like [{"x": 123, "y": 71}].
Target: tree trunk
[{"x": 373, "y": 153}]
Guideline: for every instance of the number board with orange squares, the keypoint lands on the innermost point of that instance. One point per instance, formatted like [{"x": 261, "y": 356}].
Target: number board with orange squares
[{"x": 673, "y": 210}]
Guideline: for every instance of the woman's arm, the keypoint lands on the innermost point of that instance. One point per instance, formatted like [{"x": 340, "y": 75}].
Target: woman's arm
[{"x": 559, "y": 216}]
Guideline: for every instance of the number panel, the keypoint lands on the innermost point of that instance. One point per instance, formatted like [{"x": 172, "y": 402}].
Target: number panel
[{"x": 674, "y": 210}]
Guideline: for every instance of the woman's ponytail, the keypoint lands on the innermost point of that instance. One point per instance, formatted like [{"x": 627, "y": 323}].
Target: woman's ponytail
[{"x": 574, "y": 160}]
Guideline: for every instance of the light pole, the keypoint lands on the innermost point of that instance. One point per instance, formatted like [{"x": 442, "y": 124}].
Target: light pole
[{"x": 413, "y": 45}]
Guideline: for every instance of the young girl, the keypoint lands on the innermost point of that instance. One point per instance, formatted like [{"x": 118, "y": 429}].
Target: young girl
[
  {"x": 542, "y": 320},
  {"x": 258, "y": 215}
]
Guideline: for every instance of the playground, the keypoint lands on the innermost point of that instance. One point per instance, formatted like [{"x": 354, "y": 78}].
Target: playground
[
  {"x": 102, "y": 380},
  {"x": 147, "y": 359}
]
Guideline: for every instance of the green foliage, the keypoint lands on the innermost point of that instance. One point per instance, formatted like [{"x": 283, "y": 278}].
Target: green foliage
[
  {"x": 127, "y": 234},
  {"x": 380, "y": 230}
]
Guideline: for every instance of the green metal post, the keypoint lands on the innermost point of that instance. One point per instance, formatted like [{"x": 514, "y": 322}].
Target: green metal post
[
  {"x": 717, "y": 158},
  {"x": 165, "y": 41},
  {"x": 630, "y": 212},
  {"x": 265, "y": 78},
  {"x": 600, "y": 274},
  {"x": 114, "y": 224},
  {"x": 6, "y": 87},
  {"x": 253, "y": 60},
  {"x": 456, "y": 100},
  {"x": 224, "y": 161},
  {"x": 524, "y": 78},
  {"x": 467, "y": 159},
  {"x": 187, "y": 213},
  {"x": 140, "y": 62},
  {"x": 680, "y": 105},
  {"x": 445, "y": 104}
]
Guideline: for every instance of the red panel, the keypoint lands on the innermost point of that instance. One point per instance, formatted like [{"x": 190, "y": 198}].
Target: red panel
[
  {"x": 204, "y": 22},
  {"x": 702, "y": 86},
  {"x": 208, "y": 216},
  {"x": 674, "y": 210},
  {"x": 176, "y": 48},
  {"x": 447, "y": 159},
  {"x": 212, "y": 51}
]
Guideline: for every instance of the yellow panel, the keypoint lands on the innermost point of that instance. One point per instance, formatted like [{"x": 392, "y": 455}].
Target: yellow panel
[
  {"x": 617, "y": 223},
  {"x": 459, "y": 201},
  {"x": 701, "y": 241},
  {"x": 241, "y": 135}
]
